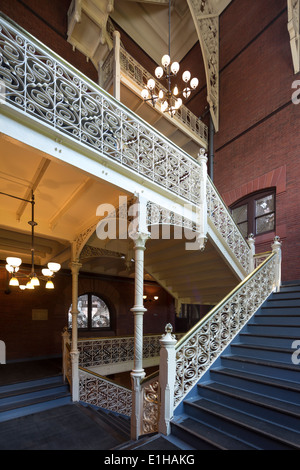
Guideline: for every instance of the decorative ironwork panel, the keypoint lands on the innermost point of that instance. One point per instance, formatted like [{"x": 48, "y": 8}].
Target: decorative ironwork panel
[
  {"x": 101, "y": 392},
  {"x": 196, "y": 354},
  {"x": 150, "y": 397}
]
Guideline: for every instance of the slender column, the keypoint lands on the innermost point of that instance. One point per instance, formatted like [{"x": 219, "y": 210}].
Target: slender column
[
  {"x": 276, "y": 248},
  {"x": 75, "y": 267},
  {"x": 117, "y": 77},
  {"x": 251, "y": 243},
  {"x": 138, "y": 373},
  {"x": 167, "y": 373}
]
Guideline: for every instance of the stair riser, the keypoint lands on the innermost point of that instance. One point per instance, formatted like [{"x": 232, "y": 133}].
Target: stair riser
[
  {"x": 253, "y": 438},
  {"x": 280, "y": 356},
  {"x": 279, "y": 330},
  {"x": 282, "y": 320},
  {"x": 266, "y": 341},
  {"x": 190, "y": 439},
  {"x": 283, "y": 302},
  {"x": 253, "y": 409},
  {"x": 286, "y": 296},
  {"x": 24, "y": 411},
  {"x": 262, "y": 369},
  {"x": 268, "y": 390},
  {"x": 30, "y": 383},
  {"x": 289, "y": 289},
  {"x": 31, "y": 395}
]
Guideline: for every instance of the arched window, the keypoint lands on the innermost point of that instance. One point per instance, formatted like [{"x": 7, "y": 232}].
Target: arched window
[
  {"x": 255, "y": 213},
  {"x": 93, "y": 313}
]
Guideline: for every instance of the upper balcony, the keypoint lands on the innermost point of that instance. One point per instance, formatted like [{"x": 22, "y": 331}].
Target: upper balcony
[{"x": 96, "y": 150}]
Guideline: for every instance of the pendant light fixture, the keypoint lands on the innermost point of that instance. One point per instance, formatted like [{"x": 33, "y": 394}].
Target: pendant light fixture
[
  {"x": 169, "y": 98},
  {"x": 14, "y": 263}
]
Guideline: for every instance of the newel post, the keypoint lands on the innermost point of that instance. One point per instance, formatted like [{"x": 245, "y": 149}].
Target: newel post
[
  {"x": 167, "y": 373},
  {"x": 276, "y": 248}
]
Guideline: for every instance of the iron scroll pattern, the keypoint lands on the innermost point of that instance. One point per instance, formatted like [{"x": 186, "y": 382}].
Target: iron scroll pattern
[
  {"x": 201, "y": 348},
  {"x": 43, "y": 86},
  {"x": 150, "y": 400},
  {"x": 100, "y": 392}
]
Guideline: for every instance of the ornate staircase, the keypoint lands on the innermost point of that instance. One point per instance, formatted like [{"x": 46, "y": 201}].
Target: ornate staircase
[{"x": 250, "y": 397}]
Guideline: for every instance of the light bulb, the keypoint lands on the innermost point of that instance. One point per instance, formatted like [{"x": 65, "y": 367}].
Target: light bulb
[
  {"x": 54, "y": 267},
  {"x": 49, "y": 285},
  {"x": 15, "y": 262},
  {"x": 186, "y": 76},
  {"x": 14, "y": 281},
  {"x": 156, "y": 297},
  {"x": 145, "y": 93},
  {"x": 161, "y": 94},
  {"x": 175, "y": 91},
  {"x": 151, "y": 84},
  {"x": 9, "y": 268},
  {"x": 165, "y": 60},
  {"x": 164, "y": 106},
  {"x": 22, "y": 287},
  {"x": 175, "y": 68},
  {"x": 34, "y": 281},
  {"x": 194, "y": 83},
  {"x": 159, "y": 72},
  {"x": 47, "y": 272},
  {"x": 178, "y": 103}
]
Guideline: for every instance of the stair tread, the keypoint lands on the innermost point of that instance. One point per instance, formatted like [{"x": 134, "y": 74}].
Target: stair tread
[
  {"x": 25, "y": 390},
  {"x": 259, "y": 379},
  {"x": 262, "y": 347},
  {"x": 256, "y": 398},
  {"x": 251, "y": 422},
  {"x": 254, "y": 360},
  {"x": 211, "y": 435},
  {"x": 33, "y": 401}
]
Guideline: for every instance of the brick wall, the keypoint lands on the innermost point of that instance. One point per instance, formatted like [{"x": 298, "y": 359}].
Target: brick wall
[
  {"x": 258, "y": 144},
  {"x": 25, "y": 337}
]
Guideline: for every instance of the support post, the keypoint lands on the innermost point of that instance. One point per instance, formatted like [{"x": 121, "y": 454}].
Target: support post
[
  {"x": 251, "y": 243},
  {"x": 167, "y": 373},
  {"x": 276, "y": 248},
  {"x": 138, "y": 373},
  {"x": 75, "y": 267},
  {"x": 117, "y": 67}
]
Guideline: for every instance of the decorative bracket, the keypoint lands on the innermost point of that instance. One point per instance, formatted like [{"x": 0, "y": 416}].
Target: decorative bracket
[
  {"x": 294, "y": 29},
  {"x": 206, "y": 20}
]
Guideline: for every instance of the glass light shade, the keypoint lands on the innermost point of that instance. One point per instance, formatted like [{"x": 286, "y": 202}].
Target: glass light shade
[
  {"x": 35, "y": 281},
  {"x": 15, "y": 262},
  {"x": 194, "y": 83},
  {"x": 159, "y": 72},
  {"x": 22, "y": 287},
  {"x": 175, "y": 68},
  {"x": 145, "y": 94},
  {"x": 144, "y": 297},
  {"x": 54, "y": 267},
  {"x": 186, "y": 92},
  {"x": 9, "y": 268},
  {"x": 161, "y": 94},
  {"x": 47, "y": 272},
  {"x": 164, "y": 106},
  {"x": 175, "y": 91},
  {"x": 186, "y": 76},
  {"x": 165, "y": 60},
  {"x": 29, "y": 285},
  {"x": 14, "y": 281},
  {"x": 156, "y": 297},
  {"x": 172, "y": 111},
  {"x": 178, "y": 103},
  {"x": 49, "y": 285},
  {"x": 151, "y": 84}
]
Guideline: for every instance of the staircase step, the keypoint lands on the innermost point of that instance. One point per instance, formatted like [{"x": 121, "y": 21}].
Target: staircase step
[
  {"x": 262, "y": 352},
  {"x": 267, "y": 339},
  {"x": 272, "y": 387},
  {"x": 270, "y": 409},
  {"x": 204, "y": 437},
  {"x": 119, "y": 422},
  {"x": 24, "y": 398},
  {"x": 262, "y": 367},
  {"x": 277, "y": 330},
  {"x": 256, "y": 432},
  {"x": 280, "y": 317}
]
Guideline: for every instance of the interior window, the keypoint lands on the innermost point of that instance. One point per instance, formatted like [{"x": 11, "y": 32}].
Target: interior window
[
  {"x": 255, "y": 213},
  {"x": 93, "y": 313}
]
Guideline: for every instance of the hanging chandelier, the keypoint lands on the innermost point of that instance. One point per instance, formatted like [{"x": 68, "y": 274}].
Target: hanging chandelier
[
  {"x": 14, "y": 263},
  {"x": 169, "y": 98}
]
